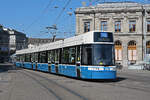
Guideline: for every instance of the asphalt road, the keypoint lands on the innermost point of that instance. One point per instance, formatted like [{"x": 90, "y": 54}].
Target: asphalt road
[{"x": 23, "y": 84}]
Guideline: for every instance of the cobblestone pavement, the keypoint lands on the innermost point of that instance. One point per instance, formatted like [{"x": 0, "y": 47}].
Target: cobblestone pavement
[{"x": 23, "y": 84}]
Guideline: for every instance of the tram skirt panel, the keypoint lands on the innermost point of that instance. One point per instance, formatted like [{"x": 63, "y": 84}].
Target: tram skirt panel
[
  {"x": 53, "y": 69},
  {"x": 18, "y": 64},
  {"x": 91, "y": 73},
  {"x": 67, "y": 70},
  {"x": 42, "y": 67},
  {"x": 34, "y": 66},
  {"x": 28, "y": 65}
]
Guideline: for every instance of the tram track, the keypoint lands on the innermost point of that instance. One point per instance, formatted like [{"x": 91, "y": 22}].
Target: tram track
[
  {"x": 133, "y": 85},
  {"x": 44, "y": 86},
  {"x": 57, "y": 90}
]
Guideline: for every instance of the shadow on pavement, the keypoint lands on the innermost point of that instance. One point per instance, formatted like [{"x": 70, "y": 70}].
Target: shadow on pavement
[
  {"x": 118, "y": 79},
  {"x": 5, "y": 67}
]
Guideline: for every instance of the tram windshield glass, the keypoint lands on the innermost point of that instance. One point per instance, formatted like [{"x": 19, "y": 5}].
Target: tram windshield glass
[{"x": 98, "y": 55}]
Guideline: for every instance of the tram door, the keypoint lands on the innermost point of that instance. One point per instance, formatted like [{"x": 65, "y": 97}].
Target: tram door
[
  {"x": 32, "y": 59},
  {"x": 49, "y": 56},
  {"x": 36, "y": 59},
  {"x": 78, "y": 60},
  {"x": 56, "y": 60}
]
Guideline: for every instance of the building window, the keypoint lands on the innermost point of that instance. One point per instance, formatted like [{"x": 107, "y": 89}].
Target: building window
[
  {"x": 117, "y": 26},
  {"x": 148, "y": 47},
  {"x": 118, "y": 50},
  {"x": 148, "y": 26},
  {"x": 132, "y": 26},
  {"x": 132, "y": 51},
  {"x": 86, "y": 26},
  {"x": 103, "y": 25}
]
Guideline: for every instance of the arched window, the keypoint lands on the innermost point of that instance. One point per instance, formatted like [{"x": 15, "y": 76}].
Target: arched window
[
  {"x": 132, "y": 51},
  {"x": 148, "y": 47},
  {"x": 118, "y": 50}
]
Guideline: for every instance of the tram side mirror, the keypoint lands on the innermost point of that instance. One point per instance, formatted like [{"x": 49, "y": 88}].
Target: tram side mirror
[{"x": 78, "y": 63}]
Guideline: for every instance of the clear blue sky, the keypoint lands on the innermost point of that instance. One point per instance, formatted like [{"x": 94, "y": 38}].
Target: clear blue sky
[{"x": 32, "y": 16}]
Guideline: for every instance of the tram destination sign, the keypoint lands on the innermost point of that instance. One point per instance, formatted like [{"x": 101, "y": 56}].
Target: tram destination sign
[{"x": 103, "y": 37}]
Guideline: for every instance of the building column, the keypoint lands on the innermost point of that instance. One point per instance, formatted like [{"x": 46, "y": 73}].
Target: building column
[
  {"x": 139, "y": 49},
  {"x": 110, "y": 25},
  {"x": 77, "y": 24},
  {"x": 125, "y": 54},
  {"x": 97, "y": 22}
]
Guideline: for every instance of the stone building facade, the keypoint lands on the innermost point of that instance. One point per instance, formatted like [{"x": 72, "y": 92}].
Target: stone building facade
[
  {"x": 10, "y": 41},
  {"x": 130, "y": 23}
]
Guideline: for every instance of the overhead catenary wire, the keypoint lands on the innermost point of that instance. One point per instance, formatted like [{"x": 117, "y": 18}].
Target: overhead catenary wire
[
  {"x": 42, "y": 13},
  {"x": 63, "y": 9}
]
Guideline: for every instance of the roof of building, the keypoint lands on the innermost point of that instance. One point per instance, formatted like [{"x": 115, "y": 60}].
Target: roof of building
[
  {"x": 10, "y": 31},
  {"x": 118, "y": 4},
  {"x": 110, "y": 6}
]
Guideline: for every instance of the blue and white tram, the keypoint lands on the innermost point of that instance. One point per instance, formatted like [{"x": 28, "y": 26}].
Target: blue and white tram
[{"x": 87, "y": 56}]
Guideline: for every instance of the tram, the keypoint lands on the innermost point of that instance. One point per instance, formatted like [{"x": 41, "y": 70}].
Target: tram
[{"x": 87, "y": 56}]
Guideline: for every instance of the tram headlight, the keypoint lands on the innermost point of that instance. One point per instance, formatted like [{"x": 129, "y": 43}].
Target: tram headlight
[{"x": 101, "y": 63}]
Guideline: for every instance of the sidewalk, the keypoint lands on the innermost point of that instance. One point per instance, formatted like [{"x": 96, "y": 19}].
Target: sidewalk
[{"x": 125, "y": 69}]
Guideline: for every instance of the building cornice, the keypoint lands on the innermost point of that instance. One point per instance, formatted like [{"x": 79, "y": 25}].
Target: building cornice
[
  {"x": 129, "y": 34},
  {"x": 93, "y": 11},
  {"x": 113, "y": 7}
]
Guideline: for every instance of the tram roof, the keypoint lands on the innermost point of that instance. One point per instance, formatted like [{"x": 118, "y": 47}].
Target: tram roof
[{"x": 85, "y": 38}]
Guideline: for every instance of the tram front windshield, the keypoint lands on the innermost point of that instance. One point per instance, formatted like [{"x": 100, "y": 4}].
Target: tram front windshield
[{"x": 98, "y": 54}]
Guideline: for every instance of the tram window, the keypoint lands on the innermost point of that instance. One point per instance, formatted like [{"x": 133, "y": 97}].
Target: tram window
[
  {"x": 72, "y": 55},
  {"x": 69, "y": 55},
  {"x": 22, "y": 58},
  {"x": 40, "y": 58},
  {"x": 78, "y": 54},
  {"x": 18, "y": 58},
  {"x": 87, "y": 55},
  {"x": 53, "y": 56},
  {"x": 27, "y": 58},
  {"x": 36, "y": 57},
  {"x": 43, "y": 57},
  {"x": 65, "y": 59},
  {"x": 33, "y": 57},
  {"x": 49, "y": 56},
  {"x": 60, "y": 55},
  {"x": 56, "y": 56},
  {"x": 98, "y": 54},
  {"x": 103, "y": 54}
]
